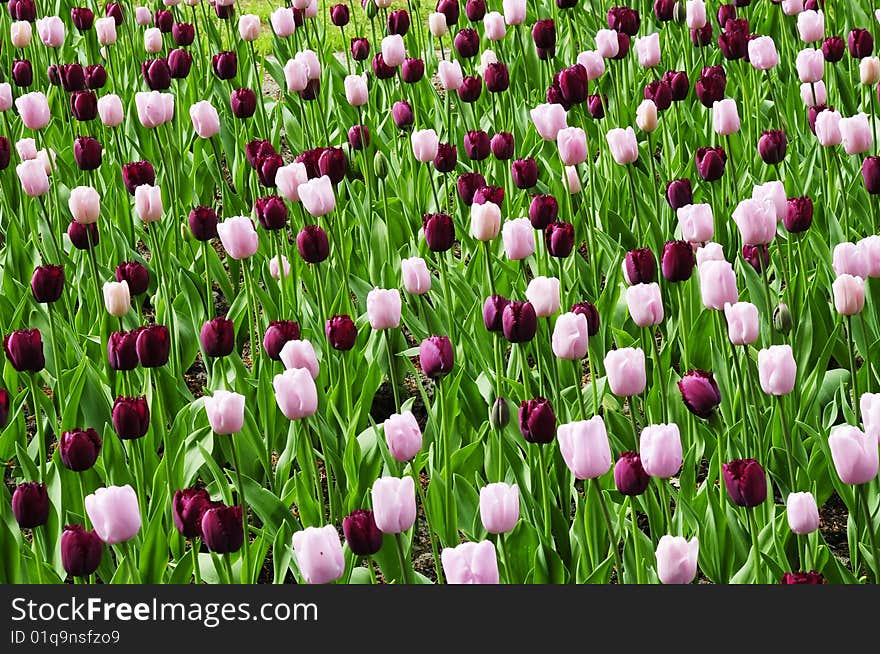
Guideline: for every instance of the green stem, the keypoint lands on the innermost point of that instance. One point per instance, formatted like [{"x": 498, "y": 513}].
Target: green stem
[
  {"x": 850, "y": 341},
  {"x": 41, "y": 439},
  {"x": 606, "y": 516},
  {"x": 194, "y": 551},
  {"x": 401, "y": 557},
  {"x": 391, "y": 376},
  {"x": 245, "y": 562}
]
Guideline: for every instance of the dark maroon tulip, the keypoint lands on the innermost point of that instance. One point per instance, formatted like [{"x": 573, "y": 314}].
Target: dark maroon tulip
[
  {"x": 660, "y": 93},
  {"x": 710, "y": 163},
  {"x": 544, "y": 34},
  {"x": 757, "y": 256},
  {"x": 467, "y": 43},
  {"x": 725, "y": 13},
  {"x": 222, "y": 530},
  {"x": 543, "y": 210},
  {"x": 745, "y": 481},
  {"x": 412, "y": 70},
  {"x": 524, "y": 173},
  {"x": 664, "y": 10},
  {"x": 225, "y": 65},
  {"x": 475, "y": 10},
  {"x": 333, "y": 163},
  {"x": 271, "y": 212},
  {"x": 497, "y": 77},
  {"x": 164, "y": 20},
  {"x": 203, "y": 223},
  {"x": 183, "y": 34},
  {"x": 772, "y": 146},
  {"x": 398, "y": 22},
  {"x": 476, "y": 144},
  {"x": 871, "y": 174},
  {"x": 5, "y": 401},
  {"x": 589, "y": 311},
  {"x": 677, "y": 261},
  {"x": 187, "y": 509},
  {"x": 468, "y": 184},
  {"x": 639, "y": 266},
  {"x": 814, "y": 5},
  {"x": 734, "y": 40},
  {"x": 30, "y": 505},
  {"x": 243, "y": 103},
  {"x": 82, "y": 18},
  {"x": 179, "y": 63},
  {"x": 136, "y": 173},
  {"x": 699, "y": 392},
  {"x": 131, "y": 417},
  {"x": 380, "y": 69},
  {"x": 860, "y": 43},
  {"x": 502, "y": 145},
  {"x": 267, "y": 166},
  {"x": 313, "y": 244},
  {"x": 402, "y": 114},
  {"x": 446, "y": 159},
  {"x": 153, "y": 345},
  {"x": 710, "y": 86},
  {"x": 96, "y": 77},
  {"x": 799, "y": 213},
  {"x": 450, "y": 9},
  {"x": 678, "y": 83},
  {"x": 573, "y": 82},
  {"x": 71, "y": 77},
  {"x": 703, "y": 36},
  {"x": 554, "y": 94},
  {"x": 436, "y": 356},
  {"x": 679, "y": 193},
  {"x": 81, "y": 551},
  {"x": 218, "y": 337},
  {"x": 23, "y": 10},
  {"x": 122, "y": 350},
  {"x": 812, "y": 112},
  {"x": 623, "y": 43},
  {"x": 559, "y": 238},
  {"x": 339, "y": 15},
  {"x": 47, "y": 283},
  {"x": 833, "y": 48},
  {"x": 361, "y": 533},
  {"x": 135, "y": 274},
  {"x": 493, "y": 194},
  {"x": 360, "y": 49},
  {"x": 224, "y": 12},
  {"x": 5, "y": 153},
  {"x": 439, "y": 231},
  {"x": 79, "y": 448},
  {"x": 630, "y": 477},
  {"x": 156, "y": 74},
  {"x": 310, "y": 159},
  {"x": 24, "y": 350},
  {"x": 83, "y": 237},
  {"x": 519, "y": 322},
  {"x": 493, "y": 310},
  {"x": 341, "y": 332},
  {"x": 811, "y": 577},
  {"x": 87, "y": 153},
  {"x": 596, "y": 106},
  {"x": 22, "y": 73},
  {"x": 624, "y": 19},
  {"x": 277, "y": 335},
  {"x": 537, "y": 422},
  {"x": 470, "y": 89}
]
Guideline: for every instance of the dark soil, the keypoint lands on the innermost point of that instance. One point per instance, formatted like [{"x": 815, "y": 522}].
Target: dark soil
[{"x": 832, "y": 525}]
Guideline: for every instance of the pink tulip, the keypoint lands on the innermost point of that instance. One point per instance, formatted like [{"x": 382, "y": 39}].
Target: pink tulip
[
  {"x": 810, "y": 64},
  {"x": 828, "y": 128},
  {"x": 792, "y": 7},
  {"x": 295, "y": 393},
  {"x": 725, "y": 117},
  {"x": 593, "y": 62},
  {"x": 802, "y": 513},
  {"x": 570, "y": 336},
  {"x": 777, "y": 370},
  {"x": 869, "y": 71},
  {"x": 143, "y": 16},
  {"x": 854, "y": 454},
  {"x": 756, "y": 221},
  {"x": 110, "y": 110},
  {"x": 117, "y": 298},
  {"x": 514, "y": 11},
  {"x": 499, "y": 507},
  {"x": 450, "y": 74},
  {"x": 225, "y": 412},
  {"x": 709, "y": 252},
  {"x": 84, "y": 204},
  {"x": 572, "y": 144},
  {"x": 849, "y": 259},
  {"x": 393, "y": 50},
  {"x": 5, "y": 96},
  {"x": 696, "y": 222},
  {"x": 772, "y": 193},
  {"x": 814, "y": 94},
  {"x": 493, "y": 24},
  {"x": 299, "y": 353},
  {"x": 695, "y": 14},
  {"x": 356, "y": 90},
  {"x": 249, "y": 27},
  {"x": 548, "y": 120},
  {"x": 607, "y": 44},
  {"x": 645, "y": 304},
  {"x": 34, "y": 110},
  {"x": 310, "y": 59},
  {"x": 849, "y": 294},
  {"x": 289, "y": 178},
  {"x": 105, "y": 28},
  {"x": 762, "y": 53},
  {"x": 677, "y": 559},
  {"x": 275, "y": 272},
  {"x": 33, "y": 177},
  {"x": 416, "y": 276},
  {"x": 625, "y": 369},
  {"x": 394, "y": 504},
  {"x": 403, "y": 436},
  {"x": 239, "y": 237},
  {"x": 154, "y": 108},
  {"x": 471, "y": 563},
  {"x": 296, "y": 75},
  {"x": 811, "y": 26},
  {"x": 312, "y": 10},
  {"x": 283, "y": 22},
  {"x": 519, "y": 238},
  {"x": 437, "y": 24},
  {"x": 742, "y": 322},
  {"x": 319, "y": 555},
  {"x": 571, "y": 180},
  {"x": 646, "y": 116},
  {"x": 317, "y": 196},
  {"x": 584, "y": 447},
  {"x": 20, "y": 34},
  {"x": 424, "y": 145},
  {"x": 855, "y": 134},
  {"x": 717, "y": 284},
  {"x": 51, "y": 31},
  {"x": 26, "y": 148},
  {"x": 148, "y": 203},
  {"x": 870, "y": 405},
  {"x": 648, "y": 49},
  {"x": 623, "y": 145},
  {"x": 153, "y": 40},
  {"x": 870, "y": 251},
  {"x": 383, "y": 308},
  {"x": 205, "y": 120},
  {"x": 114, "y": 513},
  {"x": 485, "y": 221},
  {"x": 660, "y": 450},
  {"x": 543, "y": 294}
]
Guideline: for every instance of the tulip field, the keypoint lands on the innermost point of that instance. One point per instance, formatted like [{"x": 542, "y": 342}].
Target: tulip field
[{"x": 474, "y": 291}]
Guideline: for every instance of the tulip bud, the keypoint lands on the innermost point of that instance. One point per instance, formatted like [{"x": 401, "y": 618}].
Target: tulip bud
[
  {"x": 782, "y": 320},
  {"x": 403, "y": 436},
  {"x": 79, "y": 449},
  {"x": 499, "y": 414},
  {"x": 499, "y": 507},
  {"x": 187, "y": 508},
  {"x": 313, "y": 244},
  {"x": 802, "y": 513},
  {"x": 745, "y": 481},
  {"x": 47, "y": 283},
  {"x": 699, "y": 392},
  {"x": 24, "y": 350},
  {"x": 341, "y": 332},
  {"x": 153, "y": 345},
  {"x": 30, "y": 505},
  {"x": 630, "y": 477},
  {"x": 537, "y": 422},
  {"x": 81, "y": 551},
  {"x": 519, "y": 321},
  {"x": 360, "y": 530},
  {"x": 222, "y": 530},
  {"x": 677, "y": 559},
  {"x": 394, "y": 504}
]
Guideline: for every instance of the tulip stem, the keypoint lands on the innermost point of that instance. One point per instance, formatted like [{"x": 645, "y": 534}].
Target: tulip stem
[
  {"x": 38, "y": 556},
  {"x": 632, "y": 417},
  {"x": 756, "y": 549},
  {"x": 850, "y": 341},
  {"x": 862, "y": 492},
  {"x": 209, "y": 296},
  {"x": 635, "y": 207},
  {"x": 787, "y": 441},
  {"x": 391, "y": 375},
  {"x": 606, "y": 516},
  {"x": 593, "y": 383},
  {"x": 134, "y": 575},
  {"x": 41, "y": 440},
  {"x": 194, "y": 551},
  {"x": 368, "y": 561},
  {"x": 578, "y": 368},
  {"x": 401, "y": 557},
  {"x": 58, "y": 394},
  {"x": 545, "y": 497},
  {"x": 417, "y": 482},
  {"x": 227, "y": 562},
  {"x": 634, "y": 524},
  {"x": 245, "y": 559}
]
